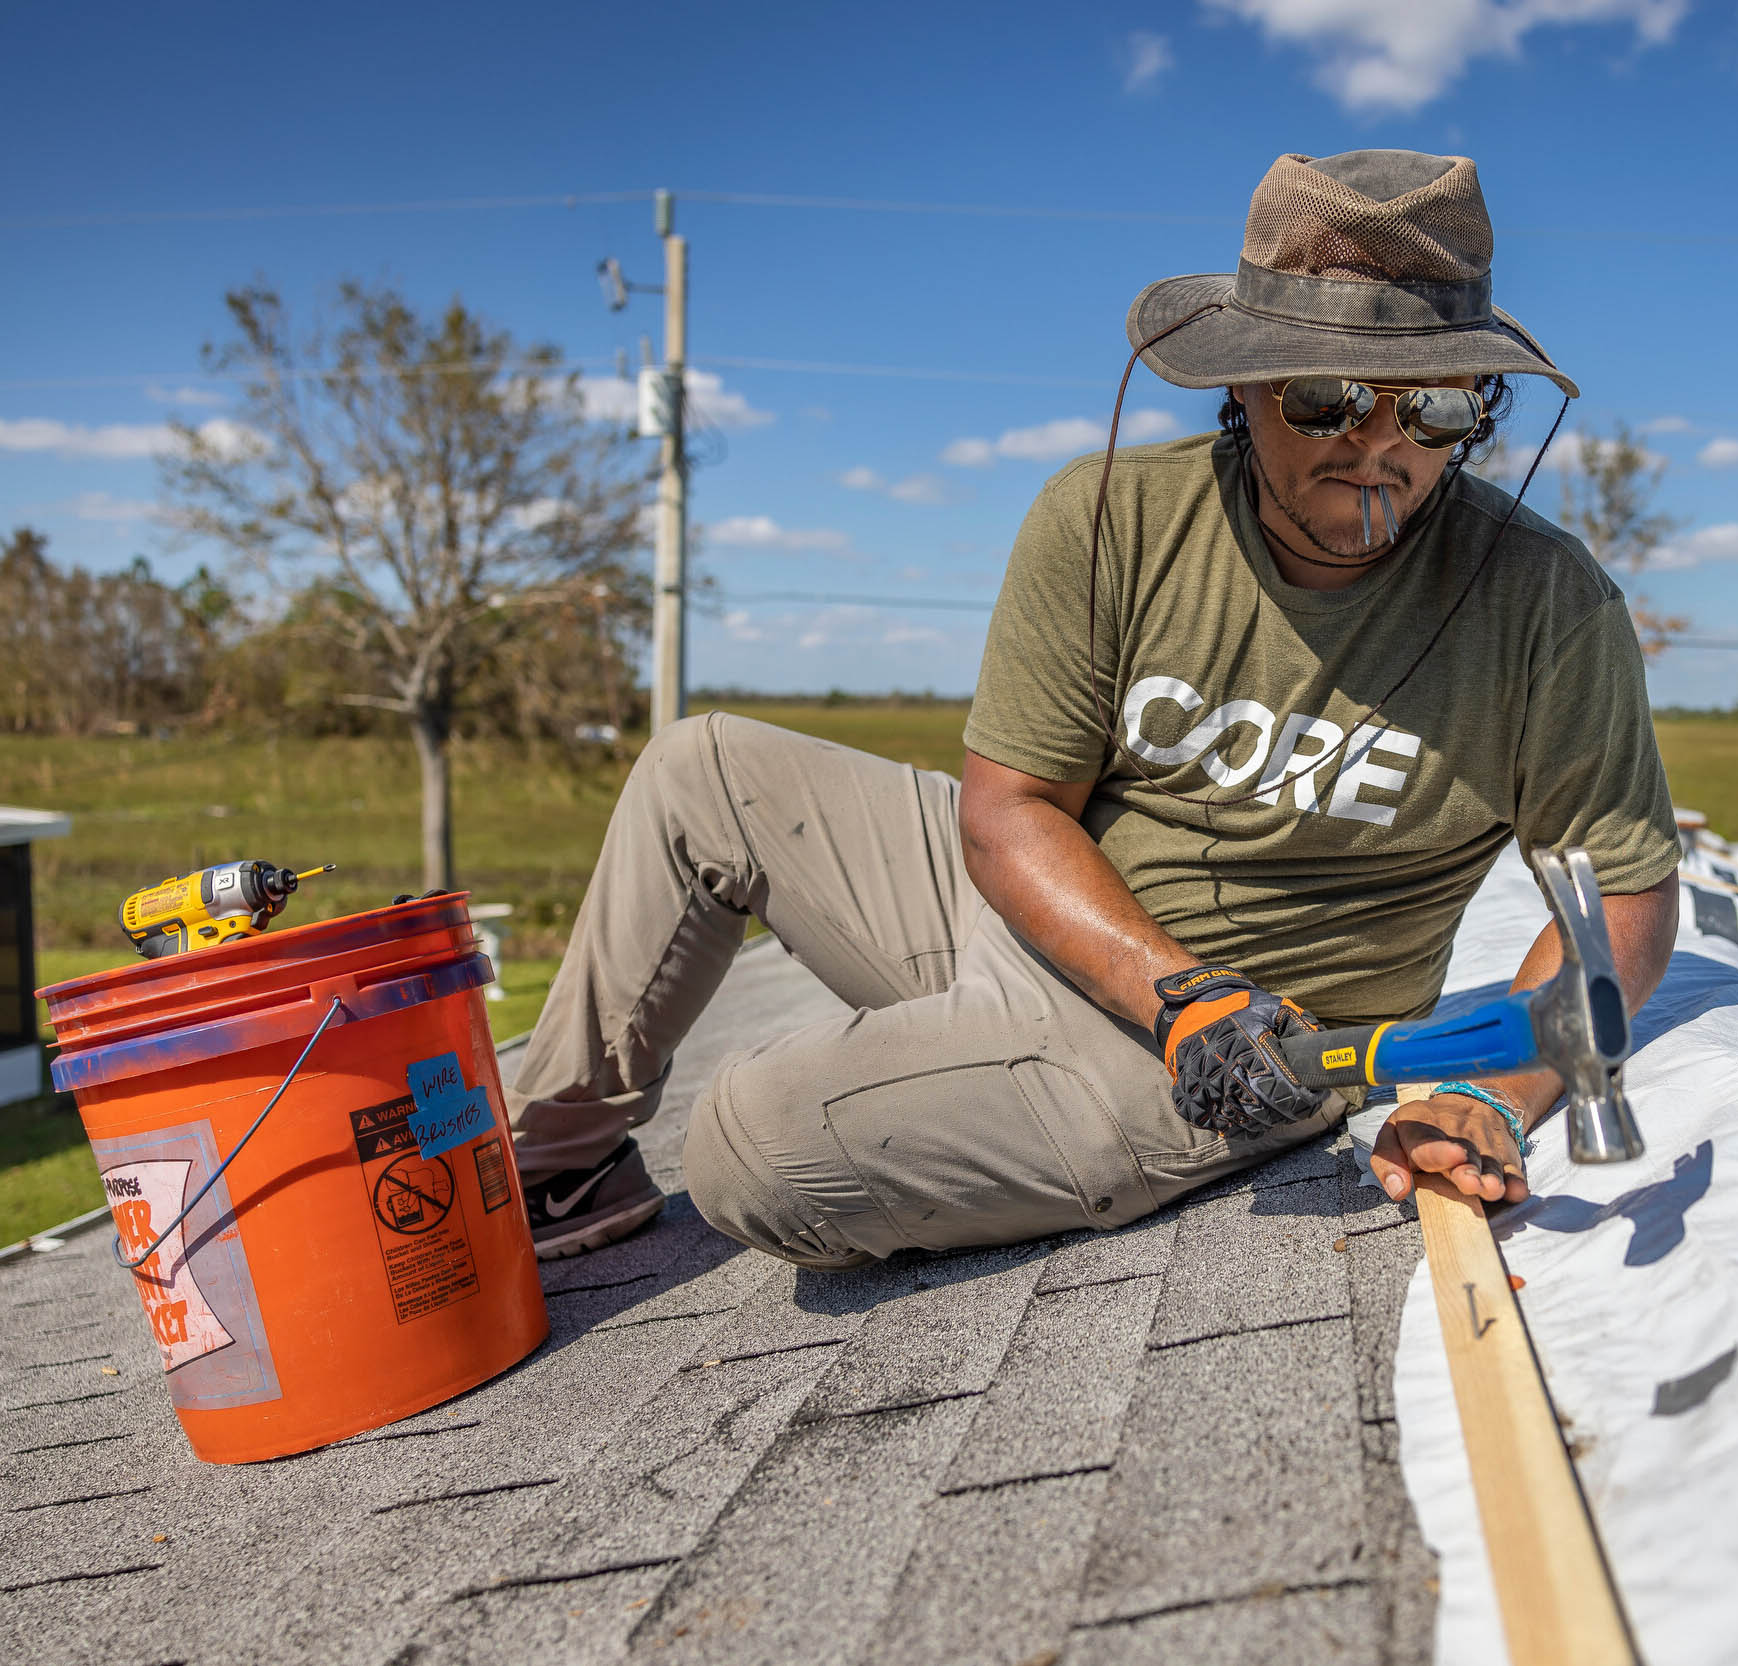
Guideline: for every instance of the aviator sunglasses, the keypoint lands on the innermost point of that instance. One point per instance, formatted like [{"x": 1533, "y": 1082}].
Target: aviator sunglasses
[{"x": 1324, "y": 407}]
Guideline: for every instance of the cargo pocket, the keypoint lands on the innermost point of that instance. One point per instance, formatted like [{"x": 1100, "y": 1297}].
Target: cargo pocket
[{"x": 989, "y": 1153}]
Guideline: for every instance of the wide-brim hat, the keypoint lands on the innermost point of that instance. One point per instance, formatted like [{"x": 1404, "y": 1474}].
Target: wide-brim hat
[{"x": 1372, "y": 263}]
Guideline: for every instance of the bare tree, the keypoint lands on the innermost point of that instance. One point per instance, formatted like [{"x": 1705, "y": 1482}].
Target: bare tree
[
  {"x": 1609, "y": 486},
  {"x": 432, "y": 487},
  {"x": 1608, "y": 495}
]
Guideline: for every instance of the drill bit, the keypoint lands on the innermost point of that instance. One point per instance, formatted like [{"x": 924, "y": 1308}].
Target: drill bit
[
  {"x": 1364, "y": 504},
  {"x": 1387, "y": 516}
]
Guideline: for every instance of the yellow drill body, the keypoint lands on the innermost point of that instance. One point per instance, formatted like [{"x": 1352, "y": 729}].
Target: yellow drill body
[{"x": 205, "y": 909}]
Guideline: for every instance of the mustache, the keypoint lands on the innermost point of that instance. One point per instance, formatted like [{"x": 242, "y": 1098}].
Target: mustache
[{"x": 1388, "y": 471}]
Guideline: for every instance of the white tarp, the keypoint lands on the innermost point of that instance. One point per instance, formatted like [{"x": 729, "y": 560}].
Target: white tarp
[{"x": 1631, "y": 1297}]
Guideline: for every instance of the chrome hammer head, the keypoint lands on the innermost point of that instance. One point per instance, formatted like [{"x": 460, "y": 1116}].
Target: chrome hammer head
[{"x": 1579, "y": 1020}]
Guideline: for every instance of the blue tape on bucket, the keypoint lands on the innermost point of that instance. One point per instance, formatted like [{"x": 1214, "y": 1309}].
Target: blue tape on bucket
[{"x": 446, "y": 1112}]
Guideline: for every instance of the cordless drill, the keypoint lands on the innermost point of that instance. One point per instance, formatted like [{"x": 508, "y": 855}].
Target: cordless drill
[{"x": 208, "y": 908}]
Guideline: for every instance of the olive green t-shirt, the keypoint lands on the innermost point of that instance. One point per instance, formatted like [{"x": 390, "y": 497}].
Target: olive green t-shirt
[{"x": 1341, "y": 888}]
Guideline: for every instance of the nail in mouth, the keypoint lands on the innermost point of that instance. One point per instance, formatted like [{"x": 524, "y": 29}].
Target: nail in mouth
[
  {"x": 1364, "y": 505},
  {"x": 1388, "y": 518}
]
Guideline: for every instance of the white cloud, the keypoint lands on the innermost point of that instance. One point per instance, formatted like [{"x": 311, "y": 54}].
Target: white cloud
[
  {"x": 67, "y": 439},
  {"x": 1707, "y": 543},
  {"x": 1051, "y": 441},
  {"x": 230, "y": 439},
  {"x": 1148, "y": 56},
  {"x": 613, "y": 399},
  {"x": 1719, "y": 454},
  {"x": 762, "y": 532},
  {"x": 914, "y": 488},
  {"x": 1668, "y": 425},
  {"x": 186, "y": 396},
  {"x": 1143, "y": 427},
  {"x": 1566, "y": 453},
  {"x": 540, "y": 512},
  {"x": 969, "y": 454},
  {"x": 715, "y": 403},
  {"x": 100, "y": 506},
  {"x": 1376, "y": 55},
  {"x": 845, "y": 626},
  {"x": 741, "y": 628},
  {"x": 896, "y": 636},
  {"x": 117, "y": 440}
]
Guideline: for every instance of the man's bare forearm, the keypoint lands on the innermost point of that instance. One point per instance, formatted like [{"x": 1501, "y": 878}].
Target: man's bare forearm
[
  {"x": 1041, "y": 871},
  {"x": 1642, "y": 928}
]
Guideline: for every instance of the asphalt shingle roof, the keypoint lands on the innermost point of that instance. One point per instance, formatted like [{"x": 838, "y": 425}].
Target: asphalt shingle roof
[{"x": 1175, "y": 1441}]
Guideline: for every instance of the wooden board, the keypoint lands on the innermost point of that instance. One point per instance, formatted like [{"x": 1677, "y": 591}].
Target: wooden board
[{"x": 1553, "y": 1588}]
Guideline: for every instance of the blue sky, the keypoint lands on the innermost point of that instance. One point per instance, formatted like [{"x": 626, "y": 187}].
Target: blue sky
[{"x": 157, "y": 156}]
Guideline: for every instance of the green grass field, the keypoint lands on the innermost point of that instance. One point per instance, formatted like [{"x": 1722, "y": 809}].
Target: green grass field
[
  {"x": 528, "y": 828},
  {"x": 1701, "y": 755}
]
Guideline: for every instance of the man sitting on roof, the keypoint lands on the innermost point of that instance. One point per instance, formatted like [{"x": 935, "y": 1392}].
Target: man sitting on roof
[{"x": 1240, "y": 753}]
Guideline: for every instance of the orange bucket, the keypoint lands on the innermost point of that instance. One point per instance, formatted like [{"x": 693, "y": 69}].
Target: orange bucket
[{"x": 366, "y": 1254}]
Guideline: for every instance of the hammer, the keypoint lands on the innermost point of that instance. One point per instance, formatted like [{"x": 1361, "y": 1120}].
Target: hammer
[{"x": 1576, "y": 1024}]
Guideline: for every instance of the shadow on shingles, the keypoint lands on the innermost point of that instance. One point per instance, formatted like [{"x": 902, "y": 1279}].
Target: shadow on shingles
[
  {"x": 859, "y": 1289},
  {"x": 673, "y": 1248},
  {"x": 1320, "y": 1200}
]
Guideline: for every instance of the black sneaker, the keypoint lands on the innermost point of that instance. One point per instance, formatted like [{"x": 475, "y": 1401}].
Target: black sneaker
[{"x": 584, "y": 1209}]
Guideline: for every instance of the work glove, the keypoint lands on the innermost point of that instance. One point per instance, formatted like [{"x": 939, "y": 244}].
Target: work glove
[{"x": 1220, "y": 1035}]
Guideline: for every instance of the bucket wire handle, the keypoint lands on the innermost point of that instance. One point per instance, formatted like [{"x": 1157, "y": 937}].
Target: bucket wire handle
[{"x": 217, "y": 1173}]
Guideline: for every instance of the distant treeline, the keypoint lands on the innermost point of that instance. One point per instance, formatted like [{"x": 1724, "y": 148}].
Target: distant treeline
[{"x": 90, "y": 653}]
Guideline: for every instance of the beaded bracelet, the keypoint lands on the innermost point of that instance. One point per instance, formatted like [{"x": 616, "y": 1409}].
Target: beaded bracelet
[{"x": 1505, "y": 1111}]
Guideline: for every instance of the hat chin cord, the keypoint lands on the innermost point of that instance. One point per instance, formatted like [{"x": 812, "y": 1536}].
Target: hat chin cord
[{"x": 1209, "y": 798}]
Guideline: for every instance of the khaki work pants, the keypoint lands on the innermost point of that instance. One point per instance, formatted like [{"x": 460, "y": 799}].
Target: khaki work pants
[{"x": 974, "y": 1096}]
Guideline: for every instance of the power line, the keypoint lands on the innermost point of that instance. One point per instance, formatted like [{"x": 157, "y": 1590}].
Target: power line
[
  {"x": 816, "y": 367},
  {"x": 299, "y": 373},
  {"x": 836, "y": 599},
  {"x": 757, "y": 199},
  {"x": 900, "y": 372},
  {"x": 311, "y": 211},
  {"x": 970, "y": 210}
]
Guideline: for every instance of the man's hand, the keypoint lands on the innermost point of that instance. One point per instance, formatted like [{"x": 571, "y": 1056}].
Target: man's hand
[
  {"x": 1220, "y": 1035},
  {"x": 1453, "y": 1135},
  {"x": 1464, "y": 1138}
]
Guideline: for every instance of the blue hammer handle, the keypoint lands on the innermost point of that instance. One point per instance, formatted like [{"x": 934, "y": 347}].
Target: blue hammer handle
[
  {"x": 1576, "y": 1025},
  {"x": 1494, "y": 1038}
]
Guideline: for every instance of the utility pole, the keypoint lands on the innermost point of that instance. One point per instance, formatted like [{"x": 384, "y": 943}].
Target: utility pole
[{"x": 669, "y": 603}]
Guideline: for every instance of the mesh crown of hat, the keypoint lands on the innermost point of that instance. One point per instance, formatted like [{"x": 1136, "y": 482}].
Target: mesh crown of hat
[{"x": 1307, "y": 222}]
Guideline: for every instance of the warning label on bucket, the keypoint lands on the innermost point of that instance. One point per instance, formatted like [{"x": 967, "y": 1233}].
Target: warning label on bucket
[
  {"x": 196, "y": 1288},
  {"x": 144, "y": 1198},
  {"x": 418, "y": 1215}
]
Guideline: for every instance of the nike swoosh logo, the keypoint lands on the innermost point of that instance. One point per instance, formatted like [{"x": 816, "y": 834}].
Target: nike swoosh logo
[{"x": 556, "y": 1210}]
